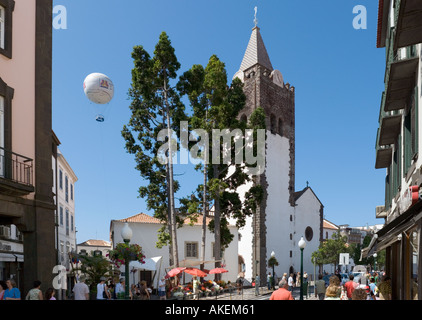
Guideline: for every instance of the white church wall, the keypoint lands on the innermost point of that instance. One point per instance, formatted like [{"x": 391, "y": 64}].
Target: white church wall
[{"x": 278, "y": 209}]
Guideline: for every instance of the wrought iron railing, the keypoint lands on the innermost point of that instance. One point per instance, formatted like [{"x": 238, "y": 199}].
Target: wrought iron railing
[{"x": 16, "y": 167}]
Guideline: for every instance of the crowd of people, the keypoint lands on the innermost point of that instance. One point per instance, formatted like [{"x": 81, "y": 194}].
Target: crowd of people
[
  {"x": 9, "y": 291},
  {"x": 369, "y": 287}
]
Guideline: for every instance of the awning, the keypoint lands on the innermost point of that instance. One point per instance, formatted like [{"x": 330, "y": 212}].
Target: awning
[
  {"x": 389, "y": 129},
  {"x": 150, "y": 264},
  {"x": 191, "y": 263},
  {"x": 409, "y": 24},
  {"x": 401, "y": 82},
  {"x": 383, "y": 157},
  {"x": 389, "y": 234}
]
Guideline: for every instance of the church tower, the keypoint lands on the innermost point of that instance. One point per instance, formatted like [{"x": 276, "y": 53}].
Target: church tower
[{"x": 264, "y": 87}]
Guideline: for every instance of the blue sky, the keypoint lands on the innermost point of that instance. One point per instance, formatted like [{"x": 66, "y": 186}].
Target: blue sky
[{"x": 338, "y": 73}]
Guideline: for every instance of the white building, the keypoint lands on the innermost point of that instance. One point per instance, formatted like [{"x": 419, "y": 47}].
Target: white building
[
  {"x": 145, "y": 229},
  {"x": 65, "y": 200},
  {"x": 94, "y": 247},
  {"x": 285, "y": 215}
]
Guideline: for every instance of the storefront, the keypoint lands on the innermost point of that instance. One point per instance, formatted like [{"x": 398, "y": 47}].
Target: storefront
[{"x": 402, "y": 242}]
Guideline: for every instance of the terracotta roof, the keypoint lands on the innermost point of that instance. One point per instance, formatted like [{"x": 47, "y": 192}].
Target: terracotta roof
[
  {"x": 144, "y": 218},
  {"x": 329, "y": 225},
  {"x": 95, "y": 243}
]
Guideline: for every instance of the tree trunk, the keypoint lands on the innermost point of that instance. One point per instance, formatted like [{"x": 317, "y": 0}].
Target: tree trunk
[{"x": 170, "y": 184}]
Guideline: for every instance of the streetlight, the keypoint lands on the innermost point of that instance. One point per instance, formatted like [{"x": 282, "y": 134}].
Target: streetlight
[
  {"x": 375, "y": 262},
  {"x": 302, "y": 245},
  {"x": 126, "y": 235},
  {"x": 273, "y": 256}
]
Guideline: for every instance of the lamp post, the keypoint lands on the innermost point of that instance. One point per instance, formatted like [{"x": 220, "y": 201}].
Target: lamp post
[
  {"x": 273, "y": 282},
  {"x": 302, "y": 245},
  {"x": 375, "y": 262},
  {"x": 126, "y": 235}
]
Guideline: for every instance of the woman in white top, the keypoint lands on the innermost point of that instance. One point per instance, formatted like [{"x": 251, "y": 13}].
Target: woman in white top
[{"x": 101, "y": 288}]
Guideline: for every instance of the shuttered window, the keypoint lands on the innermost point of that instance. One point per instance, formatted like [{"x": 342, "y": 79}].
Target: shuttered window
[{"x": 411, "y": 131}]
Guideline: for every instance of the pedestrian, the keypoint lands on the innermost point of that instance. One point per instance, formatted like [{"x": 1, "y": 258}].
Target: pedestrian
[
  {"x": 290, "y": 282},
  {"x": 297, "y": 280},
  {"x": 372, "y": 285},
  {"x": 144, "y": 291},
  {"x": 359, "y": 294},
  {"x": 3, "y": 288},
  {"x": 81, "y": 290},
  {"x": 282, "y": 293},
  {"x": 320, "y": 287},
  {"x": 162, "y": 289},
  {"x": 350, "y": 286},
  {"x": 284, "y": 276},
  {"x": 269, "y": 280},
  {"x": 384, "y": 288},
  {"x": 35, "y": 293},
  {"x": 333, "y": 291},
  {"x": 257, "y": 285},
  {"x": 49, "y": 294},
  {"x": 195, "y": 287},
  {"x": 120, "y": 289},
  {"x": 239, "y": 284},
  {"x": 11, "y": 293},
  {"x": 102, "y": 290}
]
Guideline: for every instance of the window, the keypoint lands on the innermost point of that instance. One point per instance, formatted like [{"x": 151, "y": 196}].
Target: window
[
  {"x": 191, "y": 249},
  {"x": 71, "y": 222},
  {"x": 2, "y": 20},
  {"x": 61, "y": 215},
  {"x": 6, "y": 16},
  {"x": 66, "y": 186},
  {"x": 71, "y": 191},
  {"x": 280, "y": 127},
  {"x": 60, "y": 179},
  {"x": 309, "y": 233},
  {"x": 6, "y": 96},
  {"x": 272, "y": 123},
  {"x": 67, "y": 222}
]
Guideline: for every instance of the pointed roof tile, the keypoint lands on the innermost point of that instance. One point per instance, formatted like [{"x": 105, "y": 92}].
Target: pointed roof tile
[{"x": 256, "y": 53}]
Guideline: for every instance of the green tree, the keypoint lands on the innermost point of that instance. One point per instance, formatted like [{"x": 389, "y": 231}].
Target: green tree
[
  {"x": 216, "y": 106},
  {"x": 156, "y": 109},
  {"x": 94, "y": 267},
  {"x": 329, "y": 250}
]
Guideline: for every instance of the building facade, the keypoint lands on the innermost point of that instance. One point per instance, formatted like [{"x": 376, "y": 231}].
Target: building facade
[
  {"x": 65, "y": 216},
  {"x": 145, "y": 229},
  {"x": 284, "y": 215},
  {"x": 398, "y": 144},
  {"x": 26, "y": 137}
]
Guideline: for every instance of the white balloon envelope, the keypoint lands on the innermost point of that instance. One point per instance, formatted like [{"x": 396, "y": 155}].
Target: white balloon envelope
[{"x": 98, "y": 88}]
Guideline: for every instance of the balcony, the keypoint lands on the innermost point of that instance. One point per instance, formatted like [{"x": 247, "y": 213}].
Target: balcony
[
  {"x": 408, "y": 17},
  {"x": 16, "y": 174}
]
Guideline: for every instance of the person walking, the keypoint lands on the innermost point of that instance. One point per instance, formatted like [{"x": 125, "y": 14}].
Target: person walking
[
  {"x": 49, "y": 294},
  {"x": 3, "y": 288},
  {"x": 102, "y": 290},
  {"x": 35, "y": 293},
  {"x": 320, "y": 287},
  {"x": 269, "y": 280},
  {"x": 162, "y": 288},
  {"x": 350, "y": 286},
  {"x": 257, "y": 280},
  {"x": 120, "y": 289},
  {"x": 384, "y": 288},
  {"x": 81, "y": 290},
  {"x": 11, "y": 293},
  {"x": 290, "y": 282},
  {"x": 282, "y": 293}
]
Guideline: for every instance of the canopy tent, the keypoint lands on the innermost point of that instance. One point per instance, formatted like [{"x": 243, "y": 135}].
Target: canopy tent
[
  {"x": 191, "y": 263},
  {"x": 150, "y": 264}
]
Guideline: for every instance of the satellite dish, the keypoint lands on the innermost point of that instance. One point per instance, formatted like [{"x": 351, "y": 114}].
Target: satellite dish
[{"x": 98, "y": 88}]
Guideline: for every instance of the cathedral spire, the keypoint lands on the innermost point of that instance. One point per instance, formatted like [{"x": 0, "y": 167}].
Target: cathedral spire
[{"x": 256, "y": 53}]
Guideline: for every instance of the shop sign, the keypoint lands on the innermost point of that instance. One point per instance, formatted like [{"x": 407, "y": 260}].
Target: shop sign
[
  {"x": 5, "y": 247},
  {"x": 409, "y": 197}
]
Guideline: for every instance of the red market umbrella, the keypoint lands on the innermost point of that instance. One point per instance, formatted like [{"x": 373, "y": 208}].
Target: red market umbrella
[
  {"x": 195, "y": 272},
  {"x": 174, "y": 272},
  {"x": 217, "y": 270}
]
